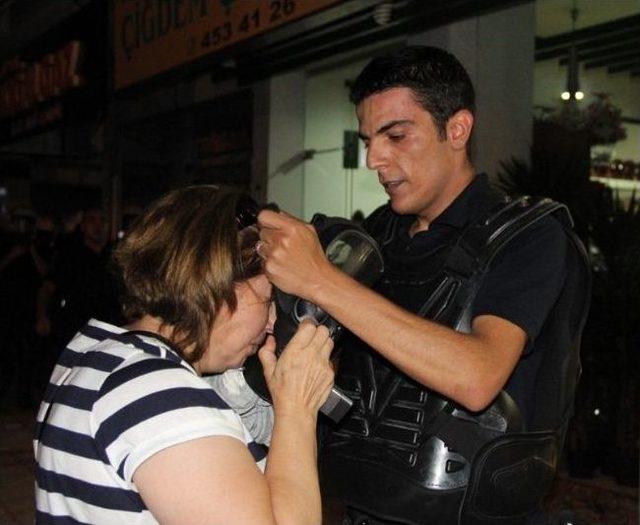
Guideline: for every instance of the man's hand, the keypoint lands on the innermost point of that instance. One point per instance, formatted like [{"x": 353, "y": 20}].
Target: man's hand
[{"x": 294, "y": 259}]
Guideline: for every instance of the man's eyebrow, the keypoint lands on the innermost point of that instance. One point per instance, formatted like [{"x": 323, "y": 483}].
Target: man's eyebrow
[{"x": 387, "y": 127}]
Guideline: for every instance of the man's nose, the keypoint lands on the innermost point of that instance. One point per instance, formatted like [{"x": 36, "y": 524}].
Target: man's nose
[{"x": 375, "y": 156}]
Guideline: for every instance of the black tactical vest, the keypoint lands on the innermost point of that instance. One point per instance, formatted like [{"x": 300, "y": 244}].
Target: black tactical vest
[{"x": 408, "y": 455}]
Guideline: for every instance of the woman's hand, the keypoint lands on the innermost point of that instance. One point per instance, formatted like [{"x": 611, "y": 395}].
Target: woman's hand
[
  {"x": 299, "y": 381},
  {"x": 302, "y": 377}
]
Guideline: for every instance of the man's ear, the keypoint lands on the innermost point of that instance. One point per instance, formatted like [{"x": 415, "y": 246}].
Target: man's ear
[{"x": 459, "y": 129}]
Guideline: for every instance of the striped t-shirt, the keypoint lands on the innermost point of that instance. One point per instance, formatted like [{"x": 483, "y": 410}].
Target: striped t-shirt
[{"x": 115, "y": 399}]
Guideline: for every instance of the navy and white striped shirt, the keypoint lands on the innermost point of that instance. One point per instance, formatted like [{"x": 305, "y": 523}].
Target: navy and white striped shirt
[{"x": 115, "y": 399}]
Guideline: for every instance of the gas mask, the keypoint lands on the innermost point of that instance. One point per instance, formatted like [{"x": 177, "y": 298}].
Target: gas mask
[{"x": 353, "y": 251}]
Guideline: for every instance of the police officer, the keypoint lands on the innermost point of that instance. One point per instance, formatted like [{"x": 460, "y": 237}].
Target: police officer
[{"x": 501, "y": 339}]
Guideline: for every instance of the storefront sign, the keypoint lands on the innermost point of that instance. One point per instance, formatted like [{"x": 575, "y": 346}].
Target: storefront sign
[
  {"x": 23, "y": 86},
  {"x": 152, "y": 36}
]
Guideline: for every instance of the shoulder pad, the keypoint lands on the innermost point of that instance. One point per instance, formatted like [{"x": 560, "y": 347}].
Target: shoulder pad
[{"x": 485, "y": 238}]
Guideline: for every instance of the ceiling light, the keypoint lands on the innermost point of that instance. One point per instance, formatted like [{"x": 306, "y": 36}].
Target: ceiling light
[{"x": 573, "y": 84}]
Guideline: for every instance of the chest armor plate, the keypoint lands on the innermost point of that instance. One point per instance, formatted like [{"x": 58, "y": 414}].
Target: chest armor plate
[{"x": 420, "y": 443}]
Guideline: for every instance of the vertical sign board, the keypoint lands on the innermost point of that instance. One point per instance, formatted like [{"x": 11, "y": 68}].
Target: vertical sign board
[{"x": 153, "y": 36}]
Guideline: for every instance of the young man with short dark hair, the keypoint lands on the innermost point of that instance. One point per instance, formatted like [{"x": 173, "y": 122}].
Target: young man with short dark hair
[{"x": 470, "y": 338}]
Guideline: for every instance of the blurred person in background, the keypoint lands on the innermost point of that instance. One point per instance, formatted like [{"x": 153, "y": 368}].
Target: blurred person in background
[
  {"x": 22, "y": 271},
  {"x": 81, "y": 284},
  {"x": 69, "y": 231}
]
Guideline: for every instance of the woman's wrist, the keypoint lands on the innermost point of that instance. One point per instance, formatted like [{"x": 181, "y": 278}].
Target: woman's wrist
[{"x": 290, "y": 413}]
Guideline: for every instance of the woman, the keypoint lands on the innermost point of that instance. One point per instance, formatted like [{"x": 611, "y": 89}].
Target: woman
[{"x": 129, "y": 432}]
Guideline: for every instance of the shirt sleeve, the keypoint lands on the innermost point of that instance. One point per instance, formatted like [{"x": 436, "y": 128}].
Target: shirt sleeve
[
  {"x": 151, "y": 404},
  {"x": 256, "y": 413},
  {"x": 526, "y": 278}
]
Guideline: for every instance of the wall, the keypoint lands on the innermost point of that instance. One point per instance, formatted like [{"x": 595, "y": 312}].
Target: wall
[
  {"x": 328, "y": 187},
  {"x": 285, "y": 165},
  {"x": 497, "y": 51}
]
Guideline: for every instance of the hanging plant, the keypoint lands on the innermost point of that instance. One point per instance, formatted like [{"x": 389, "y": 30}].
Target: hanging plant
[{"x": 603, "y": 121}]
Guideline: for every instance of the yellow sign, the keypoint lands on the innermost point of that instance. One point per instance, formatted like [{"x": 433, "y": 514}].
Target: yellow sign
[{"x": 152, "y": 36}]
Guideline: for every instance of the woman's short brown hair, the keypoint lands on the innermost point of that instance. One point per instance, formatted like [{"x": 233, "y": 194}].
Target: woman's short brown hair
[{"x": 181, "y": 259}]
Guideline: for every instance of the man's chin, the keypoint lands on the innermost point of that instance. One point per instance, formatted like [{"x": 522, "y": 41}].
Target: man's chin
[{"x": 401, "y": 207}]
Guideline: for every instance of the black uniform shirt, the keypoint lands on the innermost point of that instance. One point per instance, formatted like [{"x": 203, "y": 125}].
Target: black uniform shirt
[{"x": 523, "y": 283}]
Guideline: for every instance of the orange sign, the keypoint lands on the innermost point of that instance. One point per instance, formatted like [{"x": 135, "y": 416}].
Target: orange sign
[{"x": 152, "y": 36}]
